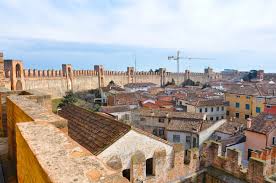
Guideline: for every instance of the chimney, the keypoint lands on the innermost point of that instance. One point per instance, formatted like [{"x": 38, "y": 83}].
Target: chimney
[{"x": 249, "y": 123}]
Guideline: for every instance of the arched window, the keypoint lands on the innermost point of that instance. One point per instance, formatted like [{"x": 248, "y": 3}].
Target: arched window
[{"x": 18, "y": 71}]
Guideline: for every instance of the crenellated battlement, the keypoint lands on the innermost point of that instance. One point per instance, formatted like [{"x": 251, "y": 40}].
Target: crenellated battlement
[
  {"x": 33, "y": 73},
  {"x": 16, "y": 77},
  {"x": 261, "y": 164}
]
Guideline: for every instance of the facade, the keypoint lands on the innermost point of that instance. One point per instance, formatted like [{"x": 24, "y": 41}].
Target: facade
[
  {"x": 213, "y": 108},
  {"x": 270, "y": 106},
  {"x": 191, "y": 134},
  {"x": 248, "y": 100},
  {"x": 157, "y": 121}
]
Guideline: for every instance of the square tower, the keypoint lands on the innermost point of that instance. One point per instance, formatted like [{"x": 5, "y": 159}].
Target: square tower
[{"x": 100, "y": 70}]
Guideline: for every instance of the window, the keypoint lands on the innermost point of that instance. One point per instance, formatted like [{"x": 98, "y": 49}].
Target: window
[
  {"x": 222, "y": 108},
  {"x": 258, "y": 109},
  {"x": 274, "y": 141},
  {"x": 206, "y": 109},
  {"x": 237, "y": 105},
  {"x": 126, "y": 174},
  {"x": 227, "y": 113},
  {"x": 238, "y": 96},
  {"x": 161, "y": 132},
  {"x": 154, "y": 132},
  {"x": 194, "y": 142},
  {"x": 149, "y": 167},
  {"x": 200, "y": 110},
  {"x": 249, "y": 153},
  {"x": 180, "y": 103},
  {"x": 237, "y": 115},
  {"x": 126, "y": 116},
  {"x": 246, "y": 116},
  {"x": 217, "y": 118},
  {"x": 212, "y": 109},
  {"x": 188, "y": 139},
  {"x": 248, "y": 97},
  {"x": 247, "y": 106},
  {"x": 211, "y": 118},
  {"x": 222, "y": 117},
  {"x": 161, "y": 120},
  {"x": 217, "y": 108},
  {"x": 176, "y": 138}
]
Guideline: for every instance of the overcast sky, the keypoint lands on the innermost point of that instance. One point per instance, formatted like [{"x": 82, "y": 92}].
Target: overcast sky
[{"x": 238, "y": 34}]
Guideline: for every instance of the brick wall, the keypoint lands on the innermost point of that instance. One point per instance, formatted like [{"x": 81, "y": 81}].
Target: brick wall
[{"x": 28, "y": 167}]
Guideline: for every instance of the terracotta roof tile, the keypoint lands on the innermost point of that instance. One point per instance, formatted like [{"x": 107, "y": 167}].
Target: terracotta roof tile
[
  {"x": 93, "y": 131},
  {"x": 171, "y": 114},
  {"x": 264, "y": 123},
  {"x": 135, "y": 85},
  {"x": 189, "y": 125}
]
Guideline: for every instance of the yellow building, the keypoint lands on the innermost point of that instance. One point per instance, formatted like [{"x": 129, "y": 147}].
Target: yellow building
[{"x": 247, "y": 100}]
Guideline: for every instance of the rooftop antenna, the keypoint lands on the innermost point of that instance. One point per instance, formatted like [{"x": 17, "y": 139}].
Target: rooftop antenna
[{"x": 177, "y": 58}]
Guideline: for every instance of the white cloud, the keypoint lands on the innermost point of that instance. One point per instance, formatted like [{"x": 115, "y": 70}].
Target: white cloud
[{"x": 209, "y": 25}]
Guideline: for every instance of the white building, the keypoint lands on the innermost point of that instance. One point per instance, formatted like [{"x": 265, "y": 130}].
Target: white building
[
  {"x": 191, "y": 133},
  {"x": 112, "y": 141},
  {"x": 213, "y": 108}
]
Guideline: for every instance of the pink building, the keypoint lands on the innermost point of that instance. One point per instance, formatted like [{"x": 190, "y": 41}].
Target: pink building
[{"x": 260, "y": 133}]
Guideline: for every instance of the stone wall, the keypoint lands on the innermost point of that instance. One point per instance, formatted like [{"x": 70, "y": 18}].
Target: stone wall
[
  {"x": 57, "y": 82},
  {"x": 261, "y": 164}
]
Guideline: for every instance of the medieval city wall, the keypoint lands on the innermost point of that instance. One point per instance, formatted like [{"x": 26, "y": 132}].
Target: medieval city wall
[{"x": 58, "y": 82}]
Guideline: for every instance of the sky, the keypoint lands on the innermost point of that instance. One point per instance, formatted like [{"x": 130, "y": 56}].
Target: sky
[{"x": 235, "y": 34}]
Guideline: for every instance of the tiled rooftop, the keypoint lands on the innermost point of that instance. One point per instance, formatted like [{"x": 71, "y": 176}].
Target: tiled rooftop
[
  {"x": 231, "y": 127},
  {"x": 139, "y": 85},
  {"x": 189, "y": 125},
  {"x": 263, "y": 123},
  {"x": 255, "y": 89},
  {"x": 114, "y": 109},
  {"x": 93, "y": 131},
  {"x": 170, "y": 114}
]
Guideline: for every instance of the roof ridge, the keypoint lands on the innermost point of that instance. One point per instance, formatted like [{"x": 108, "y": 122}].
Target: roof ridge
[{"x": 150, "y": 135}]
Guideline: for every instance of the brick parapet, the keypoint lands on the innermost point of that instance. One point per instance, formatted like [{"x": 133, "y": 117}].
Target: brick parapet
[{"x": 261, "y": 164}]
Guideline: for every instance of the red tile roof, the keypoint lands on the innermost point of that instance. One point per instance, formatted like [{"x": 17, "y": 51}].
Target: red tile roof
[
  {"x": 93, "y": 131},
  {"x": 264, "y": 123}
]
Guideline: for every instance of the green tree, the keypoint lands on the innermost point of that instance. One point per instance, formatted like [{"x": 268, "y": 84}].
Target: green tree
[
  {"x": 111, "y": 82},
  {"x": 188, "y": 82},
  {"x": 69, "y": 98}
]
